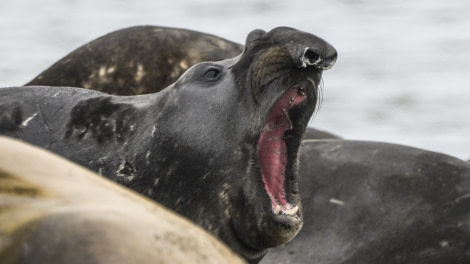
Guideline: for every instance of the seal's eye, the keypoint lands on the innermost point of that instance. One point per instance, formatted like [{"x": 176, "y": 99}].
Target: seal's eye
[{"x": 212, "y": 74}]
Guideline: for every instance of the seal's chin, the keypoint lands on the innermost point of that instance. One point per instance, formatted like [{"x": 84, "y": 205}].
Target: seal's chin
[{"x": 273, "y": 150}]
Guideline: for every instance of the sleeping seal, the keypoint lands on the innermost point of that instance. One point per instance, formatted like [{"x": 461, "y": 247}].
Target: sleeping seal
[
  {"x": 218, "y": 146},
  {"x": 136, "y": 60}
]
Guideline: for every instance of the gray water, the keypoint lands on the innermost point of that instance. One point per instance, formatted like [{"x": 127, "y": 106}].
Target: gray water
[{"x": 402, "y": 75}]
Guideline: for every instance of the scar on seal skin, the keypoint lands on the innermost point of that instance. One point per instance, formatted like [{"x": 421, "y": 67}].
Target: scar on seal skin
[
  {"x": 371, "y": 202},
  {"x": 141, "y": 60},
  {"x": 54, "y": 211},
  {"x": 219, "y": 146}
]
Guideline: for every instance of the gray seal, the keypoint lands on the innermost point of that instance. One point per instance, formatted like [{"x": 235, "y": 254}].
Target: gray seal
[
  {"x": 372, "y": 202},
  {"x": 219, "y": 146},
  {"x": 141, "y": 60}
]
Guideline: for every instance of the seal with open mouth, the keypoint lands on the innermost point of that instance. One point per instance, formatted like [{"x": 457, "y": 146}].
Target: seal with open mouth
[
  {"x": 219, "y": 146},
  {"x": 141, "y": 60}
]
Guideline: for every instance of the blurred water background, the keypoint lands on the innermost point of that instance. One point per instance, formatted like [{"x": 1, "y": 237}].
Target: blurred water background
[{"x": 402, "y": 76}]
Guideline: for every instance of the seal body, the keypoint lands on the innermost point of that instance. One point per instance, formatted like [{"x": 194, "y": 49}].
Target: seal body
[
  {"x": 219, "y": 146},
  {"x": 370, "y": 202},
  {"x": 54, "y": 211},
  {"x": 136, "y": 60}
]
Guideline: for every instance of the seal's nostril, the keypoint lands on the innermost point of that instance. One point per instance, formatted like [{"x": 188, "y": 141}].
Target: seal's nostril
[
  {"x": 321, "y": 61},
  {"x": 311, "y": 57}
]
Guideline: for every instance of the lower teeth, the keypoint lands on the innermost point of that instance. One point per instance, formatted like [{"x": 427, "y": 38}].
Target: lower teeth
[{"x": 292, "y": 211}]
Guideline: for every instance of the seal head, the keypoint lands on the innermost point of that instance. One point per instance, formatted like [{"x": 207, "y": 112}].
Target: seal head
[
  {"x": 284, "y": 76},
  {"x": 272, "y": 90}
]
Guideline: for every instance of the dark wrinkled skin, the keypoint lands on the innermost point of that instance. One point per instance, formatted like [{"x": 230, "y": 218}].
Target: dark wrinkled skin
[
  {"x": 141, "y": 60},
  {"x": 370, "y": 202},
  {"x": 162, "y": 145}
]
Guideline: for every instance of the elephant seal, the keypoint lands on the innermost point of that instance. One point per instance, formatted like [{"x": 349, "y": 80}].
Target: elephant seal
[
  {"x": 70, "y": 215},
  {"x": 219, "y": 146},
  {"x": 136, "y": 60},
  {"x": 141, "y": 60},
  {"x": 371, "y": 202}
]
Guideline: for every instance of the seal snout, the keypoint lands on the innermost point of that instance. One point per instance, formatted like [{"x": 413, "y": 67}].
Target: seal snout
[{"x": 305, "y": 49}]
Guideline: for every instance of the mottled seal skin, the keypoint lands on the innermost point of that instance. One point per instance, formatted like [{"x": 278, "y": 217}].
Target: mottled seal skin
[
  {"x": 141, "y": 60},
  {"x": 54, "y": 211},
  {"x": 370, "y": 202},
  {"x": 219, "y": 146},
  {"x": 136, "y": 60}
]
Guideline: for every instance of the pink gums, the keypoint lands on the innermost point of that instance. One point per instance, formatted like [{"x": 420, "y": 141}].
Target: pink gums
[{"x": 272, "y": 150}]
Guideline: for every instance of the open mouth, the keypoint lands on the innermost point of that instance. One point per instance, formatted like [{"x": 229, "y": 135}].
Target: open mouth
[{"x": 273, "y": 148}]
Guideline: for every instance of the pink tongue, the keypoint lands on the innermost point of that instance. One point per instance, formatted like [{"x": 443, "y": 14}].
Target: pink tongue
[{"x": 272, "y": 151}]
